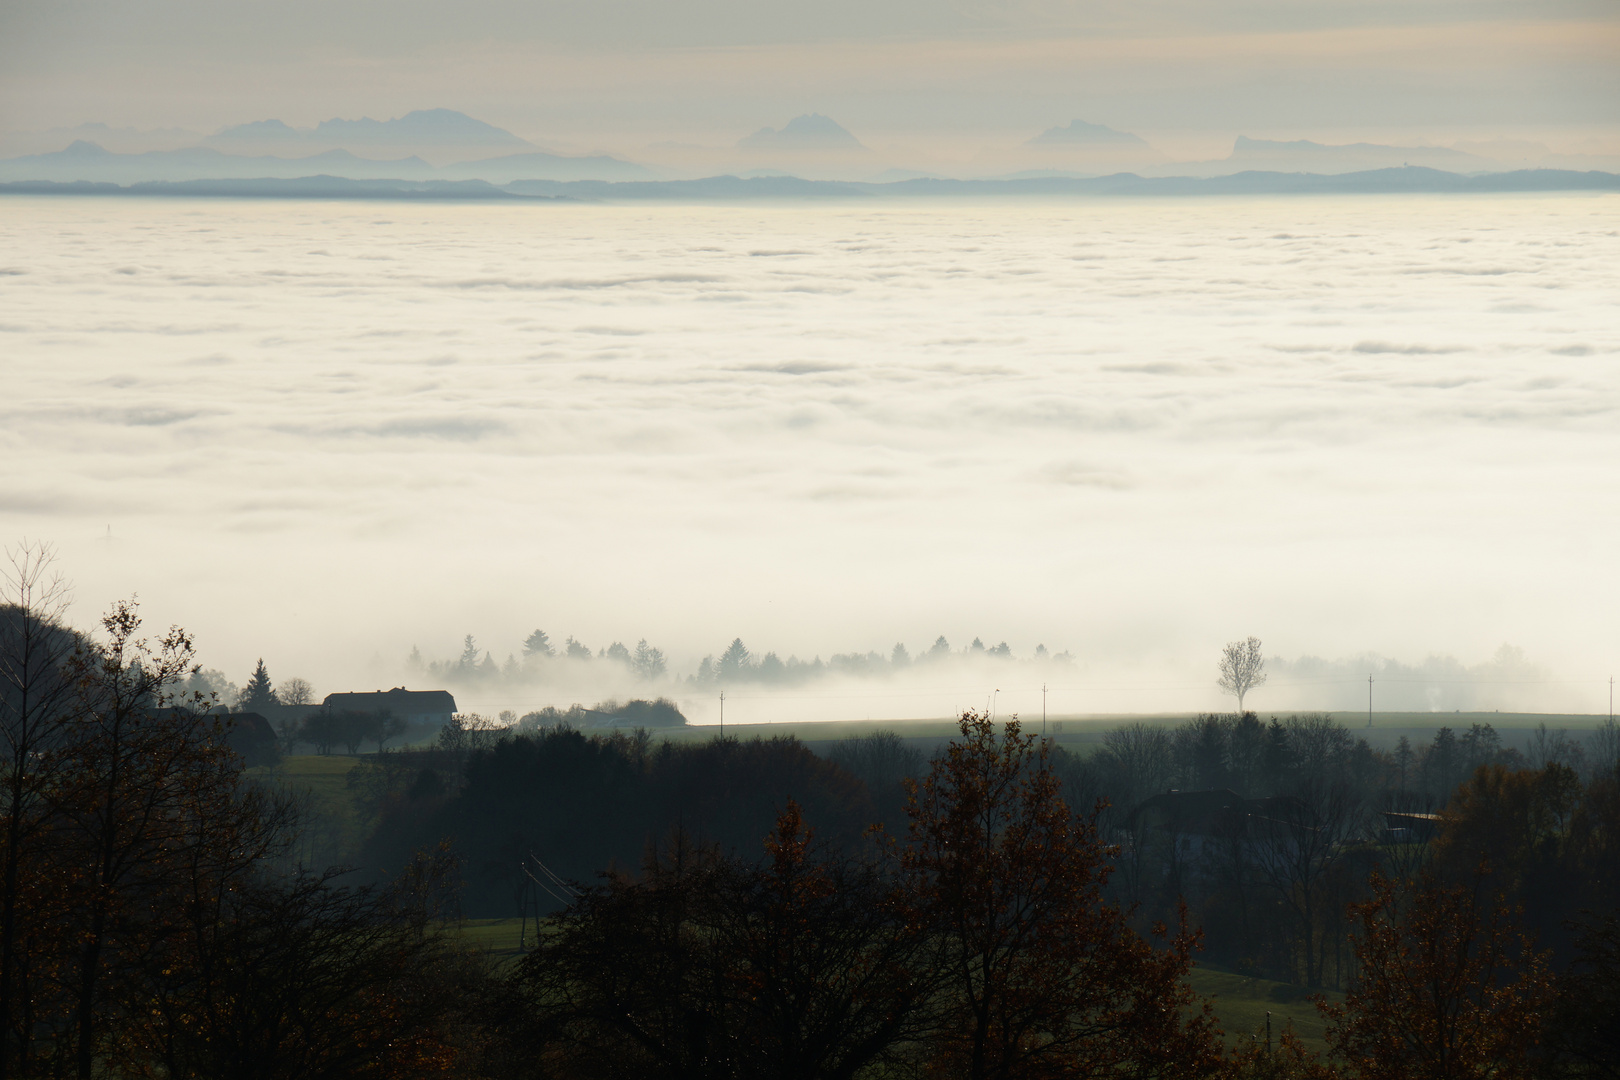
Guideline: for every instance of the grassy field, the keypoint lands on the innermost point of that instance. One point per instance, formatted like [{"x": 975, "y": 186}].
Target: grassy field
[
  {"x": 498, "y": 937},
  {"x": 334, "y": 827},
  {"x": 1241, "y": 1002},
  {"x": 1082, "y": 733}
]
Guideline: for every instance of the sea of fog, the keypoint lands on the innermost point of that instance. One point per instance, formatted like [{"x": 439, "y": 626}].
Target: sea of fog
[{"x": 325, "y": 433}]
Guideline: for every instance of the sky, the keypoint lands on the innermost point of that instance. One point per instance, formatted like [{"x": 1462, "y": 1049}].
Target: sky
[{"x": 926, "y": 80}]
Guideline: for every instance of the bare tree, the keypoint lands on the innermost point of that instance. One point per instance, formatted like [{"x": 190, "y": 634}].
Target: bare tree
[
  {"x": 295, "y": 692},
  {"x": 1299, "y": 843},
  {"x": 387, "y": 728},
  {"x": 36, "y": 711},
  {"x": 1243, "y": 667},
  {"x": 1605, "y": 744},
  {"x": 1137, "y": 758}
]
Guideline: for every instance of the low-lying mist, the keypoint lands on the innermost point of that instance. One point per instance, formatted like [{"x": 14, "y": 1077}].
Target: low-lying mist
[
  {"x": 1129, "y": 431},
  {"x": 942, "y": 680}
]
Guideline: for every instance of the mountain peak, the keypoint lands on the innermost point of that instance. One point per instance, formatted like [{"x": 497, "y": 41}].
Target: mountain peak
[
  {"x": 812, "y": 131},
  {"x": 258, "y": 129},
  {"x": 1080, "y": 133},
  {"x": 440, "y": 127},
  {"x": 421, "y": 125}
]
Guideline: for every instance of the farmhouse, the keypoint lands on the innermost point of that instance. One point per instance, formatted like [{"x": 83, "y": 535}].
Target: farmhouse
[{"x": 415, "y": 707}]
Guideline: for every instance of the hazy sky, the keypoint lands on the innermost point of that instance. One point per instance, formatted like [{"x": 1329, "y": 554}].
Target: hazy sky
[{"x": 934, "y": 76}]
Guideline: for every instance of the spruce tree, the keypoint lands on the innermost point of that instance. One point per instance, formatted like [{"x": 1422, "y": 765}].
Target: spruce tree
[{"x": 258, "y": 692}]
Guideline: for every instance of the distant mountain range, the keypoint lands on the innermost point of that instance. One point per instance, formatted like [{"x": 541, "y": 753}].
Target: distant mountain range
[
  {"x": 1350, "y": 157},
  {"x": 87, "y": 161},
  {"x": 1410, "y": 180},
  {"x": 304, "y": 187},
  {"x": 437, "y": 127},
  {"x": 433, "y": 144},
  {"x": 811, "y": 131}
]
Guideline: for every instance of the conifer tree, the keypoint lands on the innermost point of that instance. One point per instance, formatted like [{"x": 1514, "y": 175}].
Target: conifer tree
[
  {"x": 258, "y": 692},
  {"x": 538, "y": 644}
]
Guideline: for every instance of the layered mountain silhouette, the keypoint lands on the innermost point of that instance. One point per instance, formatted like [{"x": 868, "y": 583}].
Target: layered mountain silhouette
[
  {"x": 87, "y": 161},
  {"x": 732, "y": 188},
  {"x": 1307, "y": 156},
  {"x": 438, "y": 127},
  {"x": 811, "y": 131},
  {"x": 1080, "y": 133}
]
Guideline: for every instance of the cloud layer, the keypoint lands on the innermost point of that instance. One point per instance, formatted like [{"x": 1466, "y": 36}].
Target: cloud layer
[{"x": 324, "y": 433}]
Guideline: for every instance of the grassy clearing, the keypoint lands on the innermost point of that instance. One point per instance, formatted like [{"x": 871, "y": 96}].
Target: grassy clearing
[
  {"x": 1083, "y": 732},
  {"x": 1242, "y": 1001},
  {"x": 334, "y": 827},
  {"x": 498, "y": 936}
]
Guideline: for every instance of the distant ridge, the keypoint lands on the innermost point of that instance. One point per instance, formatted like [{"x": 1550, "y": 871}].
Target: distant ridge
[
  {"x": 542, "y": 166},
  {"x": 1080, "y": 133},
  {"x": 88, "y": 161},
  {"x": 439, "y": 127},
  {"x": 1306, "y": 156},
  {"x": 1247, "y": 147},
  {"x": 305, "y": 187},
  {"x": 1379, "y": 181},
  {"x": 1413, "y": 180}
]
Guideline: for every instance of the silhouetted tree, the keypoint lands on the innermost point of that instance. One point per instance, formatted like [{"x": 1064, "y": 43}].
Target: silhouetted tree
[
  {"x": 734, "y": 662},
  {"x": 385, "y": 728},
  {"x": 648, "y": 662},
  {"x": 258, "y": 692},
  {"x": 1044, "y": 977},
  {"x": 295, "y": 692},
  {"x": 537, "y": 644},
  {"x": 1242, "y": 668},
  {"x": 321, "y": 729},
  {"x": 301, "y": 977},
  {"x": 37, "y": 705},
  {"x": 714, "y": 967}
]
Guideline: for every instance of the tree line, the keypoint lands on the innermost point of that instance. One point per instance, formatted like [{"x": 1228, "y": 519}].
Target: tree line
[
  {"x": 752, "y": 909},
  {"x": 150, "y": 921},
  {"x": 735, "y": 664}
]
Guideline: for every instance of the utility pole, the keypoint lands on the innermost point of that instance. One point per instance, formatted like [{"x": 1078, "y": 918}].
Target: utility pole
[
  {"x": 1369, "y": 701},
  {"x": 722, "y": 714},
  {"x": 1043, "y": 705},
  {"x": 995, "y": 699}
]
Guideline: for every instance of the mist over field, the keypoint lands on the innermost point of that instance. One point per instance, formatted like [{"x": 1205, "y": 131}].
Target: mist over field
[{"x": 327, "y": 434}]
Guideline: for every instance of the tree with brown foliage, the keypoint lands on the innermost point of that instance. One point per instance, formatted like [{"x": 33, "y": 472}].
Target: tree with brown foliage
[
  {"x": 302, "y": 979},
  {"x": 151, "y": 817},
  {"x": 1256, "y": 1059},
  {"x": 803, "y": 968},
  {"x": 1043, "y": 977},
  {"x": 1448, "y": 988}
]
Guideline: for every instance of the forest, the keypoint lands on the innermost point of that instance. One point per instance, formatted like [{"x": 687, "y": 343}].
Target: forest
[{"x": 749, "y": 908}]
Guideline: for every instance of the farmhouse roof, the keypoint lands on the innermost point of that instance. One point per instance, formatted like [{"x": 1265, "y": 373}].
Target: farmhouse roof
[{"x": 399, "y": 701}]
